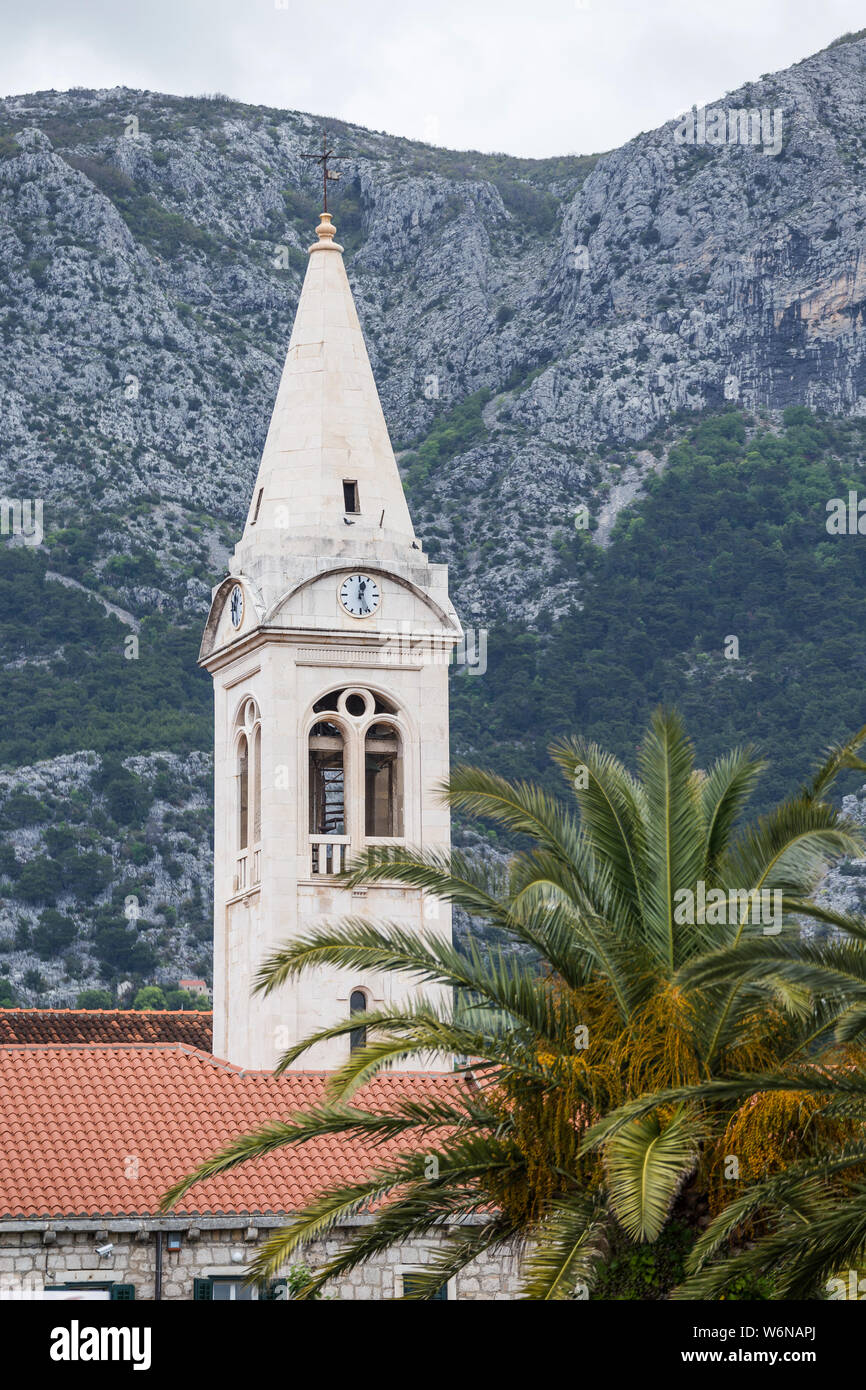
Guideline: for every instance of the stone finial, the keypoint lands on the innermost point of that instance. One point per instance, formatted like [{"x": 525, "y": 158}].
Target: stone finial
[{"x": 326, "y": 229}]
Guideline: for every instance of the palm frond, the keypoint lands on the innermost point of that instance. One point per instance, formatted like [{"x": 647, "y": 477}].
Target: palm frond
[
  {"x": 464, "y": 1243},
  {"x": 824, "y": 968},
  {"x": 647, "y": 1163},
  {"x": 612, "y": 810},
  {"x": 790, "y": 849},
  {"x": 262, "y": 1141},
  {"x": 356, "y": 944},
  {"x": 409, "y": 1204},
  {"x": 852, "y": 924},
  {"x": 674, "y": 829},
  {"x": 478, "y": 886},
  {"x": 842, "y": 1087},
  {"x": 810, "y": 1246},
  {"x": 724, "y": 793},
  {"x": 520, "y": 807},
  {"x": 797, "y": 1192},
  {"x": 566, "y": 1248},
  {"x": 839, "y": 758}
]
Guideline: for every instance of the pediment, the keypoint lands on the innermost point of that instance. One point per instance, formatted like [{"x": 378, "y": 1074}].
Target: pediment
[
  {"x": 219, "y": 630},
  {"x": 314, "y": 602}
]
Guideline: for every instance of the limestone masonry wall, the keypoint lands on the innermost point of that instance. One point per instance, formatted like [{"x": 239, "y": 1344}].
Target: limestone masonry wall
[{"x": 27, "y": 1265}]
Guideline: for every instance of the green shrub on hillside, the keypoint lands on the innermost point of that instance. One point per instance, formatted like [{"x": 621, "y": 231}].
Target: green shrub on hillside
[
  {"x": 730, "y": 539},
  {"x": 90, "y": 696}
]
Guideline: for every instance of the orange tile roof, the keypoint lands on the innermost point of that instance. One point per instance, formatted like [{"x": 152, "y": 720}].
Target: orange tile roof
[
  {"x": 104, "y": 1130},
  {"x": 63, "y": 1026}
]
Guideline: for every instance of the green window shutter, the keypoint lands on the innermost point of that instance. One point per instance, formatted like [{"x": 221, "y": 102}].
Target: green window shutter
[
  {"x": 123, "y": 1292},
  {"x": 202, "y": 1290}
]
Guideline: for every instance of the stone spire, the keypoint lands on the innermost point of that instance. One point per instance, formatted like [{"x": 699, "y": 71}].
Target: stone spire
[
  {"x": 327, "y": 433},
  {"x": 298, "y": 793}
]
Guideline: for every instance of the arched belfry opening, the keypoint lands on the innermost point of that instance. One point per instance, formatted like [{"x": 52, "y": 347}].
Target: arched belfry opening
[
  {"x": 327, "y": 779},
  {"x": 355, "y": 775},
  {"x": 383, "y": 782}
]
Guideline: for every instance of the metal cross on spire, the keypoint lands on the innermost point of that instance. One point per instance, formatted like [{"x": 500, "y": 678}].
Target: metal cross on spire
[{"x": 327, "y": 173}]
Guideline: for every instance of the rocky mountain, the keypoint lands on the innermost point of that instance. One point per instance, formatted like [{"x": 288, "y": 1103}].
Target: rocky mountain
[{"x": 544, "y": 333}]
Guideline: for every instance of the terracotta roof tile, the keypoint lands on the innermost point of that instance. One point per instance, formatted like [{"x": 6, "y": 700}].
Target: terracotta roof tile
[
  {"x": 103, "y": 1131},
  {"x": 68, "y": 1026}
]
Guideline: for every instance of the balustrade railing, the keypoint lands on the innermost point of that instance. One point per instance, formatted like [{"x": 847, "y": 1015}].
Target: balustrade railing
[{"x": 329, "y": 854}]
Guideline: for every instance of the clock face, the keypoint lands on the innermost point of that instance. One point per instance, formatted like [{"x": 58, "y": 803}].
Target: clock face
[
  {"x": 236, "y": 605},
  {"x": 359, "y": 595}
]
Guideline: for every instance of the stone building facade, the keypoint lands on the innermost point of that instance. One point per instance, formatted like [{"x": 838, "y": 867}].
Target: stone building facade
[{"x": 210, "y": 1262}]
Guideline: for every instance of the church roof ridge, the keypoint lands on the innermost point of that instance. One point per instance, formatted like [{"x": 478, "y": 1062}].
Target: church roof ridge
[
  {"x": 65, "y": 1027},
  {"x": 71, "y": 1009}
]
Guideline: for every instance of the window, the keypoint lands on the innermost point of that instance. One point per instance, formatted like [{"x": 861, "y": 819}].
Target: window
[
  {"x": 230, "y": 1288},
  {"x": 351, "y": 502},
  {"x": 356, "y": 773},
  {"x": 383, "y": 782},
  {"x": 248, "y": 802},
  {"x": 257, "y": 784},
  {"x": 243, "y": 792},
  {"x": 90, "y": 1293},
  {"x": 261, "y": 494},
  {"x": 327, "y": 701},
  {"x": 327, "y": 780},
  {"x": 231, "y": 1291},
  {"x": 358, "y": 1005},
  {"x": 222, "y": 1289},
  {"x": 331, "y": 701},
  {"x": 411, "y": 1284}
]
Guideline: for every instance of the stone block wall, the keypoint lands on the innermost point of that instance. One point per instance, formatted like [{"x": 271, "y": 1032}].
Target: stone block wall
[{"x": 27, "y": 1264}]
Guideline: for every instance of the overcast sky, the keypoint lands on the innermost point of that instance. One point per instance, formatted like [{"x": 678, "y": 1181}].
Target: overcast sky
[{"x": 539, "y": 77}]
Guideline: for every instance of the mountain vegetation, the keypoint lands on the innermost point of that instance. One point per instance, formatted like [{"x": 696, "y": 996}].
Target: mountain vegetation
[{"x": 667, "y": 339}]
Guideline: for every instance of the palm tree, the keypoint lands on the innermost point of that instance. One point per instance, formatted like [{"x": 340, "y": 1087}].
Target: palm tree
[
  {"x": 812, "y": 1214},
  {"x": 615, "y": 1008},
  {"x": 809, "y": 1213}
]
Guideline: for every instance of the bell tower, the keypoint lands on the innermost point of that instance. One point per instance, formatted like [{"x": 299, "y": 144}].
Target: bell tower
[{"x": 328, "y": 644}]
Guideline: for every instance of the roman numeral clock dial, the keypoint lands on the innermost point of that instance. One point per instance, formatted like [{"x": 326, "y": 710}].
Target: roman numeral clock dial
[{"x": 359, "y": 595}]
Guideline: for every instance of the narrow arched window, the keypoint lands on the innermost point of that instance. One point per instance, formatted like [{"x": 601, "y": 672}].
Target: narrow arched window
[
  {"x": 243, "y": 791},
  {"x": 358, "y": 1005},
  {"x": 257, "y": 785},
  {"x": 247, "y": 812},
  {"x": 383, "y": 785},
  {"x": 327, "y": 780}
]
